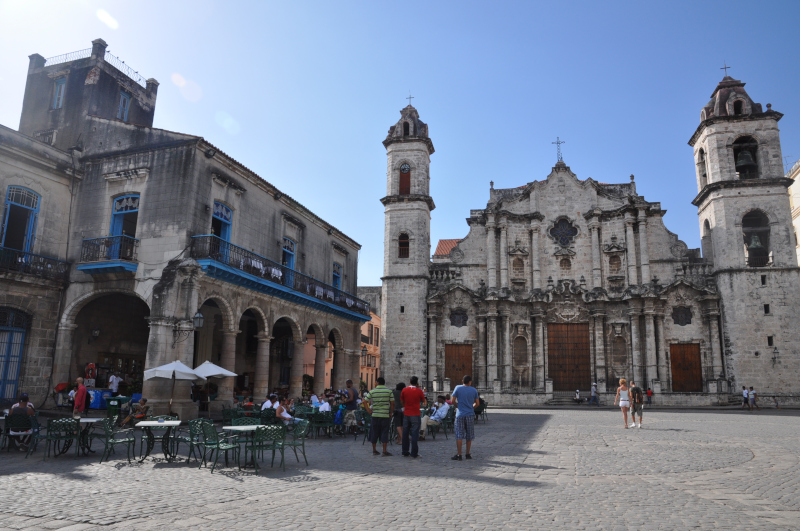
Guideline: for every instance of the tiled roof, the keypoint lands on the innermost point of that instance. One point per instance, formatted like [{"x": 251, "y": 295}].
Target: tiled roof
[{"x": 444, "y": 247}]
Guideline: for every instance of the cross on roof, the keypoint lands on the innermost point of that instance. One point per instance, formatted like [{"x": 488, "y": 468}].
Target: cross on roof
[
  {"x": 726, "y": 67},
  {"x": 558, "y": 143},
  {"x": 410, "y": 97}
]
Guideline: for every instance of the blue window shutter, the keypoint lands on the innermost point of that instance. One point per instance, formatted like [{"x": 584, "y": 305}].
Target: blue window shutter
[
  {"x": 30, "y": 236},
  {"x": 58, "y": 98}
]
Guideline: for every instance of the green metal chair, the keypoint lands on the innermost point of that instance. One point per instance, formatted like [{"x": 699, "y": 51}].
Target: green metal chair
[
  {"x": 245, "y": 421},
  {"x": 322, "y": 420},
  {"x": 212, "y": 441},
  {"x": 485, "y": 412},
  {"x": 194, "y": 437},
  {"x": 66, "y": 431},
  {"x": 37, "y": 434},
  {"x": 271, "y": 438},
  {"x": 18, "y": 423},
  {"x": 298, "y": 440},
  {"x": 449, "y": 421},
  {"x": 109, "y": 437},
  {"x": 228, "y": 415},
  {"x": 268, "y": 416},
  {"x": 363, "y": 421},
  {"x": 480, "y": 412}
]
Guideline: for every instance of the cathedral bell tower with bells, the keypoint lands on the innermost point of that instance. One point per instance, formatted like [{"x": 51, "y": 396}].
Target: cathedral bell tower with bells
[
  {"x": 746, "y": 230},
  {"x": 406, "y": 249}
]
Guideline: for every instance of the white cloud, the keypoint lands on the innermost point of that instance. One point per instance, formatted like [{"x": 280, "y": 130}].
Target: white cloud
[
  {"x": 227, "y": 122},
  {"x": 106, "y": 18}
]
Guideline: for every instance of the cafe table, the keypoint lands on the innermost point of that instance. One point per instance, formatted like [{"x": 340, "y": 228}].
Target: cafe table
[
  {"x": 166, "y": 447},
  {"x": 87, "y": 424},
  {"x": 249, "y": 430}
]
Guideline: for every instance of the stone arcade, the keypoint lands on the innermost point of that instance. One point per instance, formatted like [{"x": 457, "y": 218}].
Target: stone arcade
[{"x": 564, "y": 282}]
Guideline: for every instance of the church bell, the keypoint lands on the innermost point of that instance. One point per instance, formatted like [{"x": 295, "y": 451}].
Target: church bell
[{"x": 745, "y": 162}]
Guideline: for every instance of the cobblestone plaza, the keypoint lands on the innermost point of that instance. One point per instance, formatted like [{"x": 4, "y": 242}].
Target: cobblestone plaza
[{"x": 553, "y": 469}]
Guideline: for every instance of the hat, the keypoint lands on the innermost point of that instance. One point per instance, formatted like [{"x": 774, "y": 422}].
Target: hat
[{"x": 23, "y": 396}]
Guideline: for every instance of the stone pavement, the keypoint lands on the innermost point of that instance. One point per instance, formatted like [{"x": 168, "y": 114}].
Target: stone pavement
[{"x": 554, "y": 469}]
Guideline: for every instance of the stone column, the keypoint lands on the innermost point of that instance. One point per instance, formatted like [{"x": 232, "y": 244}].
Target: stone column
[
  {"x": 63, "y": 361},
  {"x": 507, "y": 357},
  {"x": 491, "y": 357},
  {"x": 636, "y": 359},
  {"x": 539, "y": 327},
  {"x": 630, "y": 243},
  {"x": 650, "y": 345},
  {"x": 535, "y": 267},
  {"x": 643, "y": 254},
  {"x": 491, "y": 252},
  {"x": 594, "y": 229},
  {"x": 661, "y": 345},
  {"x": 296, "y": 370},
  {"x": 339, "y": 368},
  {"x": 483, "y": 380},
  {"x": 432, "y": 365},
  {"x": 227, "y": 360},
  {"x": 320, "y": 354},
  {"x": 504, "y": 256},
  {"x": 600, "y": 350},
  {"x": 716, "y": 351},
  {"x": 261, "y": 377}
]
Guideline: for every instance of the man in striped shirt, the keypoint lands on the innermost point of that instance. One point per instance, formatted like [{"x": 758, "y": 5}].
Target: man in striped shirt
[{"x": 380, "y": 404}]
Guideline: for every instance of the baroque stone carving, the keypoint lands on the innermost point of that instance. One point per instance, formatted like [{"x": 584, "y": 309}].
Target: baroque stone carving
[
  {"x": 682, "y": 315},
  {"x": 456, "y": 255},
  {"x": 458, "y": 318}
]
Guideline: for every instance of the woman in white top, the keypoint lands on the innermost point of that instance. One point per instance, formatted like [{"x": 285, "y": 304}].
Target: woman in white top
[{"x": 624, "y": 400}]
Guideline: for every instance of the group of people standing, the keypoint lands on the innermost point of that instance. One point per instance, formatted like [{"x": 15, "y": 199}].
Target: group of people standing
[
  {"x": 630, "y": 399},
  {"x": 406, "y": 402}
]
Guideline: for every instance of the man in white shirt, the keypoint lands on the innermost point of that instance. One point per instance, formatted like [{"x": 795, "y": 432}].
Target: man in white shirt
[
  {"x": 745, "y": 398},
  {"x": 113, "y": 384},
  {"x": 436, "y": 419},
  {"x": 267, "y": 404},
  {"x": 325, "y": 406}
]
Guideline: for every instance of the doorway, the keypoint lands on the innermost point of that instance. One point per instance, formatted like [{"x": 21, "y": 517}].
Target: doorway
[
  {"x": 457, "y": 363},
  {"x": 687, "y": 376},
  {"x": 568, "y": 356}
]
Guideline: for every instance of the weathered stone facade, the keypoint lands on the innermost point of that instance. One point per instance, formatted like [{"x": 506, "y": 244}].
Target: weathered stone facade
[
  {"x": 563, "y": 282},
  {"x": 157, "y": 227}
]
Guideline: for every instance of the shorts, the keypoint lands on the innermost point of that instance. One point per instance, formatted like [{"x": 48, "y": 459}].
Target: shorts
[
  {"x": 379, "y": 430},
  {"x": 624, "y": 403},
  {"x": 465, "y": 427},
  {"x": 636, "y": 409},
  {"x": 398, "y": 419},
  {"x": 744, "y": 401}
]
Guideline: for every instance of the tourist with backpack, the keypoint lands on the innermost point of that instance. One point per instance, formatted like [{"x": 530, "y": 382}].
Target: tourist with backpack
[{"x": 637, "y": 404}]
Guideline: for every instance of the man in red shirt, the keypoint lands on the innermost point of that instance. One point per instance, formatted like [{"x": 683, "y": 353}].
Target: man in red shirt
[
  {"x": 411, "y": 397},
  {"x": 80, "y": 399}
]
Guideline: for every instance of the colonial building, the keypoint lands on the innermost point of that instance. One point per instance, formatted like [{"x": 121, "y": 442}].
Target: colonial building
[
  {"x": 371, "y": 338},
  {"x": 564, "y": 282},
  {"x": 126, "y": 247}
]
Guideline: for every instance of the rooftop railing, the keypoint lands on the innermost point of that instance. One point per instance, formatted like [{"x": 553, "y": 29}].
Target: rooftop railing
[
  {"x": 214, "y": 248},
  {"x": 109, "y": 58},
  {"x": 67, "y": 57},
  {"x": 33, "y": 264}
]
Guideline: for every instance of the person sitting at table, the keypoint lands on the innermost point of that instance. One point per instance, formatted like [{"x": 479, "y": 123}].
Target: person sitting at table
[
  {"x": 314, "y": 400},
  {"x": 236, "y": 403},
  {"x": 435, "y": 418},
  {"x": 325, "y": 406},
  {"x": 139, "y": 412},
  {"x": 267, "y": 403},
  {"x": 283, "y": 412},
  {"x": 23, "y": 407}
]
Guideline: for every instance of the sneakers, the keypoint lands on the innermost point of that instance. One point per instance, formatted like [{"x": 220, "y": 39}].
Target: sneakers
[
  {"x": 639, "y": 425},
  {"x": 468, "y": 456},
  {"x": 633, "y": 425},
  {"x": 457, "y": 458}
]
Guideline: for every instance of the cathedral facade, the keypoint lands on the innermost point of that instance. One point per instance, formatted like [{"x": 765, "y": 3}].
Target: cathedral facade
[{"x": 563, "y": 283}]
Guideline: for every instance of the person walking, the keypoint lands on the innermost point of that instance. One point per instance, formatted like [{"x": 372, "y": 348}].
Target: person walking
[
  {"x": 113, "y": 383},
  {"x": 411, "y": 397},
  {"x": 753, "y": 399},
  {"x": 594, "y": 398},
  {"x": 622, "y": 398},
  {"x": 380, "y": 404},
  {"x": 637, "y": 404},
  {"x": 81, "y": 403},
  {"x": 745, "y": 398},
  {"x": 465, "y": 397}
]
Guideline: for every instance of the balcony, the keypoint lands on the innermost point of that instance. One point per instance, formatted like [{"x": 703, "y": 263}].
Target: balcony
[
  {"x": 44, "y": 267},
  {"x": 223, "y": 260},
  {"x": 113, "y": 254}
]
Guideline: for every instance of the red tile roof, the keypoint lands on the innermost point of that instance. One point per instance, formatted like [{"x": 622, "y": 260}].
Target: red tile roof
[{"x": 444, "y": 247}]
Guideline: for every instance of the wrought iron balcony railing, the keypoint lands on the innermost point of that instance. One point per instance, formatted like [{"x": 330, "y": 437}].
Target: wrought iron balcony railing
[
  {"x": 109, "y": 248},
  {"x": 214, "y": 248},
  {"x": 33, "y": 264}
]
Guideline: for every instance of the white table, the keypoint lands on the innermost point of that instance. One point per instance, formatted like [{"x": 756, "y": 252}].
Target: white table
[
  {"x": 250, "y": 430},
  {"x": 147, "y": 426},
  {"x": 88, "y": 424}
]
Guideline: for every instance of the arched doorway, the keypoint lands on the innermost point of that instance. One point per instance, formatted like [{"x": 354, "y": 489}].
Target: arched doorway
[
  {"x": 282, "y": 351},
  {"x": 208, "y": 340},
  {"x": 246, "y": 351},
  {"x": 112, "y": 333}
]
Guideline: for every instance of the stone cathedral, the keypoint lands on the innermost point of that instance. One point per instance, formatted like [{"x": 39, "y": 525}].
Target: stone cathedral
[{"x": 562, "y": 282}]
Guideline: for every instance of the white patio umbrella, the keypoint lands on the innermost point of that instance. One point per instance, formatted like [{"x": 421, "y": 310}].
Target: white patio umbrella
[
  {"x": 208, "y": 370},
  {"x": 172, "y": 371}
]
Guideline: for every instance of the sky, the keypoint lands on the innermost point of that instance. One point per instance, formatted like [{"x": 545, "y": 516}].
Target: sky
[{"x": 303, "y": 93}]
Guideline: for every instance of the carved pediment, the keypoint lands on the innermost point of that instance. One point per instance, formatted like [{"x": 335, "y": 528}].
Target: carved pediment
[{"x": 614, "y": 247}]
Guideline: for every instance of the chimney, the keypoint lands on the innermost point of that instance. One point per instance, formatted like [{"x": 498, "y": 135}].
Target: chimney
[
  {"x": 36, "y": 61},
  {"x": 152, "y": 86},
  {"x": 99, "y": 49}
]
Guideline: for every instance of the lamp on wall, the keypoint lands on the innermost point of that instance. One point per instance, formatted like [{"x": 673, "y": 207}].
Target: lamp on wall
[
  {"x": 95, "y": 334},
  {"x": 399, "y": 358},
  {"x": 180, "y": 335}
]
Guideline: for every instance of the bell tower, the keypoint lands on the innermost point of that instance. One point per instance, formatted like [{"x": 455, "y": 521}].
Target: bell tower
[
  {"x": 406, "y": 249},
  {"x": 746, "y": 228}
]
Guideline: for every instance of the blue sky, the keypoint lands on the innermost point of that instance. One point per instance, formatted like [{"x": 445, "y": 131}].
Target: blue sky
[{"x": 303, "y": 93}]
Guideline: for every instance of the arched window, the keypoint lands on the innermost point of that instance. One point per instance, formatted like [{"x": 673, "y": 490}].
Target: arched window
[
  {"x": 405, "y": 180},
  {"x": 702, "y": 169},
  {"x": 403, "y": 246},
  {"x": 520, "y": 352},
  {"x": 755, "y": 229},
  {"x": 707, "y": 243},
  {"x": 19, "y": 219},
  {"x": 738, "y": 107},
  {"x": 745, "y": 151},
  {"x": 406, "y": 129}
]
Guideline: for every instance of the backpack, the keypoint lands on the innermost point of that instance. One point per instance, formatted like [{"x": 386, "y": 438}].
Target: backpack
[
  {"x": 637, "y": 395},
  {"x": 339, "y": 418}
]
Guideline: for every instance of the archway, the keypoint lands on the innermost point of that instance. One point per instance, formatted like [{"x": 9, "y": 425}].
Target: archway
[
  {"x": 112, "y": 333},
  {"x": 282, "y": 352},
  {"x": 208, "y": 340},
  {"x": 246, "y": 351},
  {"x": 339, "y": 368},
  {"x": 316, "y": 361}
]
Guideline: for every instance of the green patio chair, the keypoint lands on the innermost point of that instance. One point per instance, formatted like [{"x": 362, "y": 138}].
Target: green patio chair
[
  {"x": 480, "y": 412},
  {"x": 228, "y": 415},
  {"x": 298, "y": 440},
  {"x": 363, "y": 421},
  {"x": 449, "y": 421},
  {"x": 322, "y": 420},
  {"x": 485, "y": 412},
  {"x": 267, "y": 438},
  {"x": 214, "y": 442},
  {"x": 242, "y": 437},
  {"x": 37, "y": 434},
  {"x": 268, "y": 416},
  {"x": 18, "y": 423},
  {"x": 62, "y": 431},
  {"x": 108, "y": 435},
  {"x": 194, "y": 438}
]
